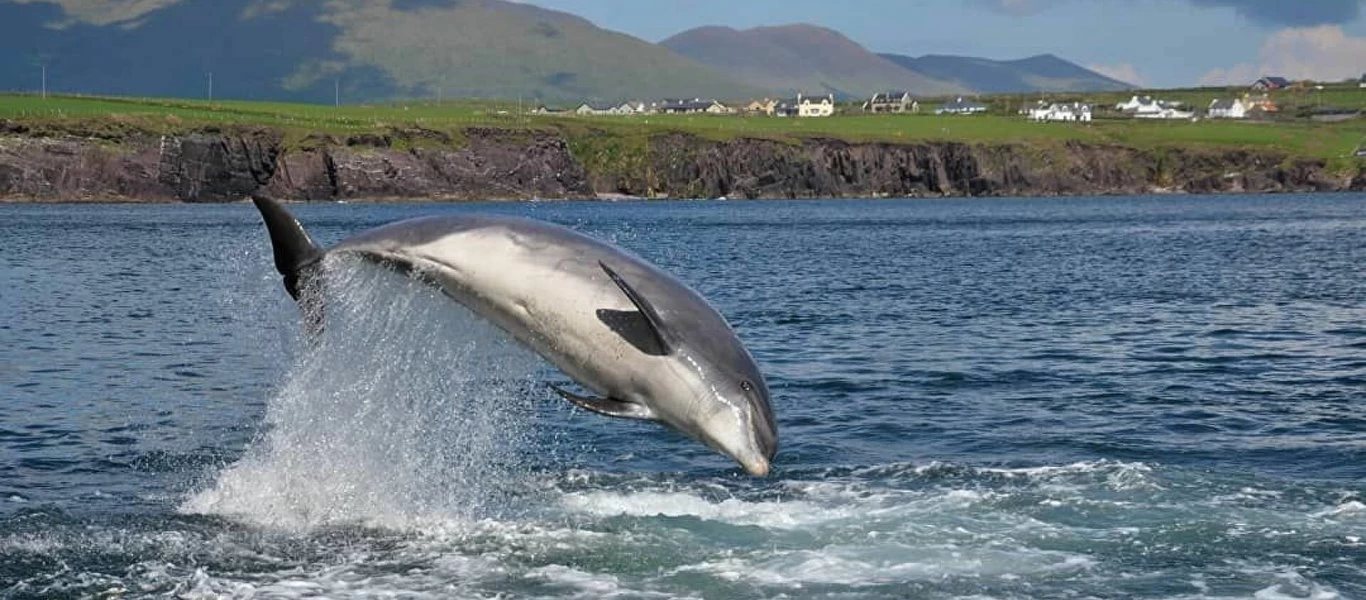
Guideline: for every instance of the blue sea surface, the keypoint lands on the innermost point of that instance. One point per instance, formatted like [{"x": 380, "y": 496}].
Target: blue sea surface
[{"x": 1128, "y": 397}]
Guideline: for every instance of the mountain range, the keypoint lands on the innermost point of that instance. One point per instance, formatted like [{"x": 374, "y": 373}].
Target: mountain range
[{"x": 366, "y": 50}]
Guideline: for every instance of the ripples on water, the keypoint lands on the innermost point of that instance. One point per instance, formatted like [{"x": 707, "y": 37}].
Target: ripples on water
[{"x": 1125, "y": 397}]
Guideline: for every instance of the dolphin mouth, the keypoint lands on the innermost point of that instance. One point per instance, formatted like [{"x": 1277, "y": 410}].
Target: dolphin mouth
[{"x": 757, "y": 467}]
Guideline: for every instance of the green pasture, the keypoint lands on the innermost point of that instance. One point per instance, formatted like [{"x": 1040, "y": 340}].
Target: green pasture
[{"x": 97, "y": 114}]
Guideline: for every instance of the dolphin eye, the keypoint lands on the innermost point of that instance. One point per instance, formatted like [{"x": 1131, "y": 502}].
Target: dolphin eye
[{"x": 747, "y": 386}]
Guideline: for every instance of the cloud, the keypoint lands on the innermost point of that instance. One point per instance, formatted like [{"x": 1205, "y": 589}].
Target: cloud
[
  {"x": 1017, "y": 7},
  {"x": 1283, "y": 13},
  {"x": 1322, "y": 53},
  {"x": 1293, "y": 13},
  {"x": 1123, "y": 71}
]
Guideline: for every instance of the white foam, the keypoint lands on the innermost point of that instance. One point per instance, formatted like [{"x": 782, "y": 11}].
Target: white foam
[
  {"x": 791, "y": 514},
  {"x": 592, "y": 584},
  {"x": 878, "y": 564},
  {"x": 1349, "y": 508},
  {"x": 410, "y": 407}
]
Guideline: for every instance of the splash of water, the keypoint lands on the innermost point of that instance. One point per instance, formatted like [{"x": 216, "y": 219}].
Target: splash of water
[{"x": 410, "y": 408}]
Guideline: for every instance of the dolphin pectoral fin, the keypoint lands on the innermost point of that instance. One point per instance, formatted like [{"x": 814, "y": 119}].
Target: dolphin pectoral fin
[
  {"x": 646, "y": 309},
  {"x": 607, "y": 406}
]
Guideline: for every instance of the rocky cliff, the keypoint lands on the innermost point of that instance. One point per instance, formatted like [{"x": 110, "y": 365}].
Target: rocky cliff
[{"x": 216, "y": 165}]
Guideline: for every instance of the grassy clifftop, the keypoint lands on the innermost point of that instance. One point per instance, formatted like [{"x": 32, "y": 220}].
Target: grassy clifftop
[{"x": 109, "y": 118}]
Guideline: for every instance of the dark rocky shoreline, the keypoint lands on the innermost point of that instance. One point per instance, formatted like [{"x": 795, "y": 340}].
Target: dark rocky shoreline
[{"x": 223, "y": 165}]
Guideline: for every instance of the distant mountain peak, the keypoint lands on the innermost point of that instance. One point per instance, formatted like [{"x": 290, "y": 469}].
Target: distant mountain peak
[
  {"x": 799, "y": 57},
  {"x": 1041, "y": 72}
]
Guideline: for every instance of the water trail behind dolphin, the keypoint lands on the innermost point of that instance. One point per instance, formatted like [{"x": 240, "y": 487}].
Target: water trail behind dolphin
[{"x": 410, "y": 408}]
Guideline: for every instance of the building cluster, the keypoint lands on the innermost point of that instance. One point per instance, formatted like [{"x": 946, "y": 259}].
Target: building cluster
[
  {"x": 801, "y": 106},
  {"x": 1257, "y": 102},
  {"x": 1241, "y": 108}
]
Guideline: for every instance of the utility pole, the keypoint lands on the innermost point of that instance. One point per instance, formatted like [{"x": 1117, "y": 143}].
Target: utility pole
[
  {"x": 210, "y": 87},
  {"x": 336, "y": 92},
  {"x": 44, "y": 81}
]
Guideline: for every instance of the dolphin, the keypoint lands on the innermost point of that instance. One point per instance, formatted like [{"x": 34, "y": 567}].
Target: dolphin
[{"x": 649, "y": 346}]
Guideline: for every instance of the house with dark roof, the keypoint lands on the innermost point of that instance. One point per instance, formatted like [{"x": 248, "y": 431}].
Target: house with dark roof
[
  {"x": 671, "y": 106},
  {"x": 891, "y": 102},
  {"x": 1362, "y": 82},
  {"x": 1270, "y": 83}
]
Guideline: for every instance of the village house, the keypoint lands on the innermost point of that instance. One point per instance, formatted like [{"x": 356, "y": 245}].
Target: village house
[
  {"x": 761, "y": 107},
  {"x": 683, "y": 107},
  {"x": 587, "y": 109},
  {"x": 1270, "y": 83},
  {"x": 1362, "y": 82},
  {"x": 631, "y": 108},
  {"x": 716, "y": 108},
  {"x": 961, "y": 107},
  {"x": 1074, "y": 111},
  {"x": 1136, "y": 103},
  {"x": 891, "y": 102},
  {"x": 808, "y": 106},
  {"x": 1229, "y": 109},
  {"x": 1147, "y": 108},
  {"x": 1167, "y": 111},
  {"x": 543, "y": 109},
  {"x": 787, "y": 108}
]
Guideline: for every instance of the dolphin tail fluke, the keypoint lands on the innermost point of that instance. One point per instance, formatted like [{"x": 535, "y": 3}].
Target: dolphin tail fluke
[{"x": 296, "y": 258}]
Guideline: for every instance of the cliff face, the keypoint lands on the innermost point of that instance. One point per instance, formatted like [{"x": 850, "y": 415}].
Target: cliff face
[
  {"x": 223, "y": 166},
  {"x": 692, "y": 167},
  {"x": 226, "y": 165}
]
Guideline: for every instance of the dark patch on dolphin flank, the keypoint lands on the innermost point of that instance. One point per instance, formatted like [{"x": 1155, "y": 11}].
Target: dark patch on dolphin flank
[{"x": 632, "y": 326}]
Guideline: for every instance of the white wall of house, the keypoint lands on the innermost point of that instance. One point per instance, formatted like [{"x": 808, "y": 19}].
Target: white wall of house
[
  {"x": 816, "y": 107},
  {"x": 1238, "y": 110},
  {"x": 1166, "y": 113},
  {"x": 1061, "y": 112}
]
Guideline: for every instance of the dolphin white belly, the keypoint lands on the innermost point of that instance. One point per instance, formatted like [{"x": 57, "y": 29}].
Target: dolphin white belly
[{"x": 550, "y": 303}]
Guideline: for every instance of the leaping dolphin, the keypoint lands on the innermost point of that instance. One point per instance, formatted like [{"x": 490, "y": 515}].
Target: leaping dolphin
[{"x": 646, "y": 343}]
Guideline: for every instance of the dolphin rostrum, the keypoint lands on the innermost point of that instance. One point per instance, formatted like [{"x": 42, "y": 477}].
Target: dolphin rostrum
[{"x": 649, "y": 346}]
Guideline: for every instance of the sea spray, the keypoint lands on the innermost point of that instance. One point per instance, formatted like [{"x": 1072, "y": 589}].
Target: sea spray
[{"x": 407, "y": 408}]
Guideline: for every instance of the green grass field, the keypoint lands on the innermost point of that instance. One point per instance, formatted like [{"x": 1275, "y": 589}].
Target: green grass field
[{"x": 96, "y": 114}]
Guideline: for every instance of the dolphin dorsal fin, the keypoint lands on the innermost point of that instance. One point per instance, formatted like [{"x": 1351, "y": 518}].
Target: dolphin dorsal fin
[{"x": 646, "y": 309}]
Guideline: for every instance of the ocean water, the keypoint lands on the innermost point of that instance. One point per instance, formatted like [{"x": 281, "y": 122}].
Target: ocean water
[{"x": 1043, "y": 398}]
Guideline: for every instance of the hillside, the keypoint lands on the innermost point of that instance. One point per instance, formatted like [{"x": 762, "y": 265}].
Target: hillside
[
  {"x": 300, "y": 49},
  {"x": 802, "y": 58},
  {"x": 1042, "y": 73}
]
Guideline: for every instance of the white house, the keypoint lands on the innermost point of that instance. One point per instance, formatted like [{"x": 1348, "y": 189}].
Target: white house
[
  {"x": 1166, "y": 112},
  {"x": 808, "y": 106},
  {"x": 1147, "y": 108},
  {"x": 591, "y": 110},
  {"x": 1075, "y": 111},
  {"x": 1362, "y": 83},
  {"x": 630, "y": 108},
  {"x": 891, "y": 102},
  {"x": 1136, "y": 103},
  {"x": 716, "y": 108},
  {"x": 961, "y": 107},
  {"x": 1229, "y": 109}
]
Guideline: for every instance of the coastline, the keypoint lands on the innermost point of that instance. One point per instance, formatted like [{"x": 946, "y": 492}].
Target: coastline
[{"x": 226, "y": 164}]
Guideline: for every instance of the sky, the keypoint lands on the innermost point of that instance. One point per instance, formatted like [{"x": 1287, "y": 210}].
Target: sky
[{"x": 1152, "y": 43}]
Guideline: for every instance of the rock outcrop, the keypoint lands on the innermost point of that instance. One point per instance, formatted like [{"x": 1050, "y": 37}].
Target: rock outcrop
[{"x": 216, "y": 165}]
